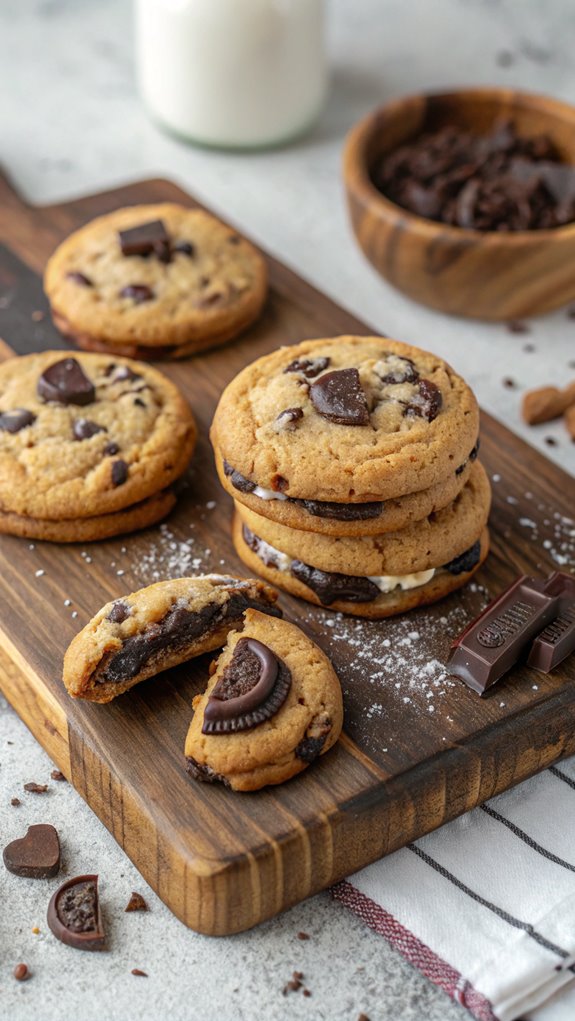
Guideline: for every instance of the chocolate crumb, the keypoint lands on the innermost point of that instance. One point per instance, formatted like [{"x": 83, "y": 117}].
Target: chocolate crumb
[
  {"x": 551, "y": 441},
  {"x": 306, "y": 992},
  {"x": 110, "y": 449},
  {"x": 303, "y": 935},
  {"x": 509, "y": 383},
  {"x": 136, "y": 903},
  {"x": 36, "y": 788},
  {"x": 21, "y": 972},
  {"x": 516, "y": 326},
  {"x": 57, "y": 775},
  {"x": 15, "y": 802},
  {"x": 138, "y": 971},
  {"x": 362, "y": 1017}
]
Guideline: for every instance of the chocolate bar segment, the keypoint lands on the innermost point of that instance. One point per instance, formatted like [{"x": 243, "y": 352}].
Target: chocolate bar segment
[
  {"x": 494, "y": 642},
  {"x": 555, "y": 643}
]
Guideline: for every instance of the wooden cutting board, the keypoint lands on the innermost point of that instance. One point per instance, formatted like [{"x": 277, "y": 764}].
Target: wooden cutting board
[{"x": 419, "y": 747}]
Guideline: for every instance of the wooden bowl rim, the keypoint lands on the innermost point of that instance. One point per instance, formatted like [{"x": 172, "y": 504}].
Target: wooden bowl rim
[{"x": 358, "y": 182}]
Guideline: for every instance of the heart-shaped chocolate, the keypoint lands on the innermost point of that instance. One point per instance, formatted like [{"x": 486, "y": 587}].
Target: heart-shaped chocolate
[{"x": 37, "y": 855}]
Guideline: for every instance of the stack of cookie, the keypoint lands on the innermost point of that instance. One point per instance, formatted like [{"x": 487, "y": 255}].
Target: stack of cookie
[
  {"x": 157, "y": 281},
  {"x": 89, "y": 446},
  {"x": 353, "y": 467}
]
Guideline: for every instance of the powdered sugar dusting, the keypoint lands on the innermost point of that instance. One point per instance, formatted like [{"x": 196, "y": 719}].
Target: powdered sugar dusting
[{"x": 168, "y": 556}]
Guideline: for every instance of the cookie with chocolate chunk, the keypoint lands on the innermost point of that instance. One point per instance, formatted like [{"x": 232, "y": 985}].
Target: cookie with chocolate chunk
[
  {"x": 139, "y": 635},
  {"x": 273, "y": 705},
  {"x": 375, "y": 596},
  {"x": 344, "y": 519},
  {"x": 155, "y": 281},
  {"x": 347, "y": 421},
  {"x": 87, "y": 437}
]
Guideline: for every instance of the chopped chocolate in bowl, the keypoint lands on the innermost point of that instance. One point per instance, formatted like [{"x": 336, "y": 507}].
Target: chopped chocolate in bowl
[{"x": 501, "y": 181}]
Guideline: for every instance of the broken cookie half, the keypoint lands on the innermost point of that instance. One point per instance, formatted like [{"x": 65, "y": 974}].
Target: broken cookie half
[
  {"x": 273, "y": 704},
  {"x": 157, "y": 627}
]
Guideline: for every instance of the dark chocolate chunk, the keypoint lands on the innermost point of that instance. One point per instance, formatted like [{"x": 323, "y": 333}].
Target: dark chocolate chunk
[
  {"x": 111, "y": 448},
  {"x": 308, "y": 367},
  {"x": 397, "y": 369},
  {"x": 330, "y": 586},
  {"x": 37, "y": 855},
  {"x": 316, "y": 735},
  {"x": 136, "y": 903},
  {"x": 204, "y": 773},
  {"x": 74, "y": 914},
  {"x": 137, "y": 292},
  {"x": 35, "y": 788},
  {"x": 339, "y": 397},
  {"x": 252, "y": 689},
  {"x": 498, "y": 638},
  {"x": 341, "y": 511},
  {"x": 465, "y": 561},
  {"x": 426, "y": 402},
  {"x": 147, "y": 239},
  {"x": 287, "y": 420},
  {"x": 139, "y": 402},
  {"x": 120, "y": 612},
  {"x": 84, "y": 429},
  {"x": 79, "y": 278},
  {"x": 66, "y": 383},
  {"x": 184, "y": 248},
  {"x": 237, "y": 480},
  {"x": 119, "y": 473},
  {"x": 14, "y": 421}
]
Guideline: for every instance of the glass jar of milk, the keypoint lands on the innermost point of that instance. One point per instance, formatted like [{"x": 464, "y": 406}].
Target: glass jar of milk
[{"x": 233, "y": 73}]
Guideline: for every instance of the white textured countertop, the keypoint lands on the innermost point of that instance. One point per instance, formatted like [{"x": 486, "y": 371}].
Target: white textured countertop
[{"x": 70, "y": 122}]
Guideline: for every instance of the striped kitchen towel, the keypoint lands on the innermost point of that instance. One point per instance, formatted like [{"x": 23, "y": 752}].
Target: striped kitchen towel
[{"x": 485, "y": 906}]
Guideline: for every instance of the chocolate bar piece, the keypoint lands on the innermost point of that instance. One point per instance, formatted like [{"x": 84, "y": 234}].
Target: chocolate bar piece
[
  {"x": 149, "y": 238},
  {"x": 557, "y": 640},
  {"x": 74, "y": 914},
  {"x": 494, "y": 642}
]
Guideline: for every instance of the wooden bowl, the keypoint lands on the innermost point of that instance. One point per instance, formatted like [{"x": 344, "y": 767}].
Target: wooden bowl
[{"x": 480, "y": 274}]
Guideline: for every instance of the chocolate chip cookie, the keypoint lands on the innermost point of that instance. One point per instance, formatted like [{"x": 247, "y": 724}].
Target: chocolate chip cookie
[
  {"x": 89, "y": 437},
  {"x": 272, "y": 706},
  {"x": 157, "y": 627},
  {"x": 348, "y": 420},
  {"x": 155, "y": 281}
]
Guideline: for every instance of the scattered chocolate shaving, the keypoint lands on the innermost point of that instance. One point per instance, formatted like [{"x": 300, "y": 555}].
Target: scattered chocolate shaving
[
  {"x": 136, "y": 903},
  {"x": 35, "y": 788},
  {"x": 65, "y": 382}
]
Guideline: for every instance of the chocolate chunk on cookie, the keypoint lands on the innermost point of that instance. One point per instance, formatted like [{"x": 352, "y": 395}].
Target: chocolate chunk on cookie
[
  {"x": 272, "y": 705},
  {"x": 338, "y": 396},
  {"x": 160, "y": 626},
  {"x": 65, "y": 382}
]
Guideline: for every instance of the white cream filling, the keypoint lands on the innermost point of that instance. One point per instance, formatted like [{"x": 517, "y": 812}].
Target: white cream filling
[
  {"x": 385, "y": 582},
  {"x": 268, "y": 494},
  {"x": 388, "y": 582}
]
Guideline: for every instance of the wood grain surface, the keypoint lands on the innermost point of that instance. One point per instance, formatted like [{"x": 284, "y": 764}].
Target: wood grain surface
[
  {"x": 419, "y": 748},
  {"x": 481, "y": 274}
]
